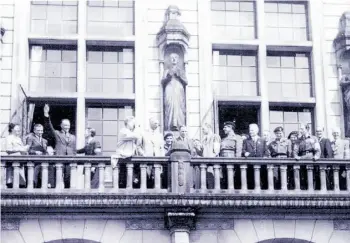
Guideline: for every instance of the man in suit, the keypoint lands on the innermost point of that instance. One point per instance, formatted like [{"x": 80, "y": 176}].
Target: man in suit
[
  {"x": 65, "y": 142},
  {"x": 254, "y": 146},
  {"x": 340, "y": 146},
  {"x": 325, "y": 144},
  {"x": 92, "y": 147}
]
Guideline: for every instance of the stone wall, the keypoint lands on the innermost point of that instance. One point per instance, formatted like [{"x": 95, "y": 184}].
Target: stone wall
[
  {"x": 7, "y": 22},
  {"x": 332, "y": 11},
  {"x": 119, "y": 231}
]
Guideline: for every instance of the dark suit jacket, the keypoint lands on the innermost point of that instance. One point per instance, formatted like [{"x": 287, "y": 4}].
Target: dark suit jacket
[
  {"x": 255, "y": 150},
  {"x": 326, "y": 148},
  {"x": 90, "y": 147},
  {"x": 63, "y": 145},
  {"x": 35, "y": 144}
]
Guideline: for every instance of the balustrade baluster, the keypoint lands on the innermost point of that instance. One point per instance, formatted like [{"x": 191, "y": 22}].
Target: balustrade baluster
[
  {"x": 230, "y": 175},
  {"x": 336, "y": 178},
  {"x": 30, "y": 177},
  {"x": 15, "y": 175},
  {"x": 87, "y": 176},
  {"x": 73, "y": 175},
  {"x": 310, "y": 177},
  {"x": 257, "y": 177},
  {"x": 283, "y": 169},
  {"x": 297, "y": 177},
  {"x": 157, "y": 170},
  {"x": 59, "y": 176},
  {"x": 143, "y": 169},
  {"x": 3, "y": 175},
  {"x": 216, "y": 177},
  {"x": 44, "y": 175},
  {"x": 129, "y": 175},
  {"x": 348, "y": 177},
  {"x": 244, "y": 185},
  {"x": 270, "y": 178},
  {"x": 116, "y": 178},
  {"x": 203, "y": 168},
  {"x": 323, "y": 179},
  {"x": 101, "y": 174}
]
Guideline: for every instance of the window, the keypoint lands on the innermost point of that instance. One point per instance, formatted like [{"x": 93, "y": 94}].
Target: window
[
  {"x": 110, "y": 70},
  {"x": 236, "y": 74},
  {"x": 54, "y": 17},
  {"x": 286, "y": 21},
  {"x": 233, "y": 19},
  {"x": 53, "y": 68},
  {"x": 288, "y": 75},
  {"x": 289, "y": 118},
  {"x": 107, "y": 121},
  {"x": 110, "y": 17}
]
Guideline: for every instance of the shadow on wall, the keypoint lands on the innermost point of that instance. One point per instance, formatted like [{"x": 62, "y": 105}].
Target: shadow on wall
[{"x": 285, "y": 240}]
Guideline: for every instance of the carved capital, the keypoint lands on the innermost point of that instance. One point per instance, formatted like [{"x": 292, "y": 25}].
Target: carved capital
[
  {"x": 180, "y": 219},
  {"x": 9, "y": 224},
  {"x": 341, "y": 225}
]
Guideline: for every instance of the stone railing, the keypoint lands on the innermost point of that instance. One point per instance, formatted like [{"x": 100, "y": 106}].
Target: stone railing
[{"x": 183, "y": 175}]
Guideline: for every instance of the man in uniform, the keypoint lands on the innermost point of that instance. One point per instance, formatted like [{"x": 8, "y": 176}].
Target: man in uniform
[
  {"x": 308, "y": 146},
  {"x": 281, "y": 147},
  {"x": 231, "y": 145}
]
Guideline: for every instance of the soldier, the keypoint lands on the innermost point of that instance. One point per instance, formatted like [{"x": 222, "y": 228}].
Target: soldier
[
  {"x": 307, "y": 146},
  {"x": 281, "y": 147},
  {"x": 231, "y": 145}
]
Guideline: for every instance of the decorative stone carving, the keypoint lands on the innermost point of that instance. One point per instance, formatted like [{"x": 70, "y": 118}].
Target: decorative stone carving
[
  {"x": 341, "y": 224},
  {"x": 342, "y": 50},
  {"x": 214, "y": 224},
  {"x": 144, "y": 224},
  {"x": 10, "y": 224},
  {"x": 172, "y": 40},
  {"x": 180, "y": 218}
]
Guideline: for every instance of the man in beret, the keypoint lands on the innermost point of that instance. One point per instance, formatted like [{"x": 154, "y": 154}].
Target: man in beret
[
  {"x": 231, "y": 145},
  {"x": 168, "y": 141}
]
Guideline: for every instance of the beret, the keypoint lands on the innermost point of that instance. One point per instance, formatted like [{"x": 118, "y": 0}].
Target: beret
[
  {"x": 229, "y": 123},
  {"x": 169, "y": 134},
  {"x": 278, "y": 129}
]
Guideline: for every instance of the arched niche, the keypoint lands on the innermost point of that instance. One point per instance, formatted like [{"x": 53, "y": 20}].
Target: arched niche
[
  {"x": 71, "y": 240},
  {"x": 285, "y": 240}
]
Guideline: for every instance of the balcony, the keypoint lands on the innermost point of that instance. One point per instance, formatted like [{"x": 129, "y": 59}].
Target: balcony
[{"x": 235, "y": 182}]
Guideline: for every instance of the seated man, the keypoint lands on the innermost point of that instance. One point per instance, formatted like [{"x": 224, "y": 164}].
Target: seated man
[{"x": 92, "y": 147}]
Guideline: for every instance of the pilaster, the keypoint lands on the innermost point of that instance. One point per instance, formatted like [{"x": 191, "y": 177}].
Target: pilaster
[{"x": 180, "y": 222}]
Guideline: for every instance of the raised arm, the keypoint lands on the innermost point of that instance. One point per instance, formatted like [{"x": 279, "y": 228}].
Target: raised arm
[{"x": 47, "y": 121}]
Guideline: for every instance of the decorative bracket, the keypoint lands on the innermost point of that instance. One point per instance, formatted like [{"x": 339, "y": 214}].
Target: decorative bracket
[
  {"x": 180, "y": 219},
  {"x": 342, "y": 41}
]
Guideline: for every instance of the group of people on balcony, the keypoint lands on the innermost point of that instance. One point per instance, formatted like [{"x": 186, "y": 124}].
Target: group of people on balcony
[{"x": 133, "y": 142}]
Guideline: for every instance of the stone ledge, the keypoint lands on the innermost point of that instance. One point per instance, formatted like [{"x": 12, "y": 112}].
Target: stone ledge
[{"x": 341, "y": 225}]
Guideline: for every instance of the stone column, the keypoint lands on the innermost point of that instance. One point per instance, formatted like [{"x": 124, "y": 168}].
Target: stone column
[{"x": 180, "y": 222}]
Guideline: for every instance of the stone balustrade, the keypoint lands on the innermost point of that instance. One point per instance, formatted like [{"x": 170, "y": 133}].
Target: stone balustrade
[{"x": 194, "y": 176}]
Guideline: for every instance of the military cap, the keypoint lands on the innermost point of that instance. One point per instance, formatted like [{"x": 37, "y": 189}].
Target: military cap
[
  {"x": 278, "y": 129},
  {"x": 169, "y": 134},
  {"x": 230, "y": 123}
]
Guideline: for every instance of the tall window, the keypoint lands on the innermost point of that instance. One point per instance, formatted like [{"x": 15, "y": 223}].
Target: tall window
[
  {"x": 236, "y": 74},
  {"x": 288, "y": 75},
  {"x": 233, "y": 19},
  {"x": 110, "y": 70},
  {"x": 286, "y": 21},
  {"x": 289, "y": 118},
  {"x": 107, "y": 121},
  {"x": 53, "y": 68},
  {"x": 54, "y": 17},
  {"x": 110, "y": 17}
]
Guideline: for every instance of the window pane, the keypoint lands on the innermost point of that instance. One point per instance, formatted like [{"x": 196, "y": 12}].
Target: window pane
[
  {"x": 110, "y": 114},
  {"x": 94, "y": 113}
]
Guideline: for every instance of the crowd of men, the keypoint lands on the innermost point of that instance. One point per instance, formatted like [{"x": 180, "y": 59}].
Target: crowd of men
[{"x": 133, "y": 142}]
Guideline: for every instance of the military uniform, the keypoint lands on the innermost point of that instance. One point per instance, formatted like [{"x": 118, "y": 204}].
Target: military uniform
[
  {"x": 231, "y": 146},
  {"x": 307, "y": 148},
  {"x": 280, "y": 148}
]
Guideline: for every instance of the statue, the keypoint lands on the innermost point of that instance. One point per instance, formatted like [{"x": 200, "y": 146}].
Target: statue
[
  {"x": 174, "y": 82},
  {"x": 345, "y": 84}
]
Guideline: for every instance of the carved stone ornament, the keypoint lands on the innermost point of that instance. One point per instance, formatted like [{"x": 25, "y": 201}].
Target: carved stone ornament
[
  {"x": 215, "y": 224},
  {"x": 9, "y": 224},
  {"x": 180, "y": 219},
  {"x": 341, "y": 225},
  {"x": 342, "y": 50},
  {"x": 144, "y": 224}
]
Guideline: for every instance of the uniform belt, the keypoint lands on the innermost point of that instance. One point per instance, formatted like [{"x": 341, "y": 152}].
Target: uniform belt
[
  {"x": 278, "y": 154},
  {"x": 227, "y": 149},
  {"x": 306, "y": 152}
]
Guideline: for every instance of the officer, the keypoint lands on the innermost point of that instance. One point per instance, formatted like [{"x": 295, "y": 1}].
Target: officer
[
  {"x": 231, "y": 145},
  {"x": 308, "y": 146},
  {"x": 281, "y": 147}
]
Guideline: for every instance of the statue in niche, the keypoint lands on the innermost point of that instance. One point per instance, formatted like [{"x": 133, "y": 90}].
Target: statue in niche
[
  {"x": 174, "y": 83},
  {"x": 345, "y": 84}
]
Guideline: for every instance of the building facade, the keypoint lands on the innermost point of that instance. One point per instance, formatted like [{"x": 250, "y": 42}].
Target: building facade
[{"x": 274, "y": 63}]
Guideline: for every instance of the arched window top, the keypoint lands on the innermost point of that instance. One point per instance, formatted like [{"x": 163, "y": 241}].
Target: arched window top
[
  {"x": 72, "y": 241},
  {"x": 285, "y": 240}
]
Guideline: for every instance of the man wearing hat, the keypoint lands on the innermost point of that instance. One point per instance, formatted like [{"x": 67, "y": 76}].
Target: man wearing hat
[
  {"x": 231, "y": 145},
  {"x": 281, "y": 147}
]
